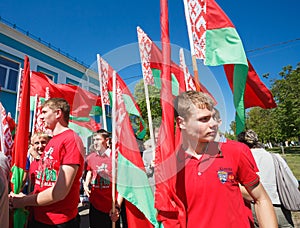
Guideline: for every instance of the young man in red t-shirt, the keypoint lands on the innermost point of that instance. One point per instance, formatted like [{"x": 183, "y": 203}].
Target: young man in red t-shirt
[
  {"x": 98, "y": 177},
  {"x": 56, "y": 193},
  {"x": 209, "y": 172}
]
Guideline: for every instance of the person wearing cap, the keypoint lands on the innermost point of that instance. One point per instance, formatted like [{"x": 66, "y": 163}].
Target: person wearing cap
[{"x": 267, "y": 175}]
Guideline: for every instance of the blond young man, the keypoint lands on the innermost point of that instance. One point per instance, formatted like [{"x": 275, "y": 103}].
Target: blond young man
[
  {"x": 56, "y": 193},
  {"x": 209, "y": 172},
  {"x": 37, "y": 146}
]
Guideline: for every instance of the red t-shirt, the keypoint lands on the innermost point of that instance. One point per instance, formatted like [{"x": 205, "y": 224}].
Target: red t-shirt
[
  {"x": 209, "y": 186},
  {"x": 65, "y": 148},
  {"x": 101, "y": 191},
  {"x": 33, "y": 169}
]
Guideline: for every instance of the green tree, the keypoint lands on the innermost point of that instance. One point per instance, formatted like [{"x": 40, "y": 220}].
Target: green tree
[
  {"x": 286, "y": 92},
  {"x": 154, "y": 98}
]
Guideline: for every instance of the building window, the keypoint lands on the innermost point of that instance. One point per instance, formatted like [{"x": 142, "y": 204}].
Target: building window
[
  {"x": 9, "y": 74},
  {"x": 50, "y": 74},
  {"x": 73, "y": 82}
]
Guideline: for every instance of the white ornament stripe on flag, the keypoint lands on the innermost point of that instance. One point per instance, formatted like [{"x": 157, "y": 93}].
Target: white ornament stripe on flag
[
  {"x": 189, "y": 83},
  {"x": 145, "y": 45},
  {"x": 195, "y": 11},
  {"x": 6, "y": 137},
  {"x": 104, "y": 75}
]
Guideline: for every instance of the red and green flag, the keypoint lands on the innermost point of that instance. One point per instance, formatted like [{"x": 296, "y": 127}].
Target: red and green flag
[
  {"x": 256, "y": 93},
  {"x": 214, "y": 39},
  {"x": 82, "y": 102},
  {"x": 132, "y": 180},
  {"x": 151, "y": 60},
  {"x": 21, "y": 143},
  {"x": 171, "y": 211},
  {"x": 137, "y": 121}
]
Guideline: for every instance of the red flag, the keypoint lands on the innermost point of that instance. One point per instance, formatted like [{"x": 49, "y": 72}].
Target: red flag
[
  {"x": 21, "y": 142},
  {"x": 130, "y": 103},
  {"x": 256, "y": 93},
  {"x": 170, "y": 209},
  {"x": 80, "y": 100},
  {"x": 152, "y": 58}
]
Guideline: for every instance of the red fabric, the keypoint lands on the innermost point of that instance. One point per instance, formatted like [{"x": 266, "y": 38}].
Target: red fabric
[
  {"x": 209, "y": 186},
  {"x": 135, "y": 218},
  {"x": 80, "y": 100},
  {"x": 215, "y": 16},
  {"x": 33, "y": 169},
  {"x": 156, "y": 62},
  {"x": 123, "y": 89},
  {"x": 126, "y": 143},
  {"x": 167, "y": 203},
  {"x": 101, "y": 191},
  {"x": 21, "y": 138},
  {"x": 65, "y": 148},
  {"x": 256, "y": 93}
]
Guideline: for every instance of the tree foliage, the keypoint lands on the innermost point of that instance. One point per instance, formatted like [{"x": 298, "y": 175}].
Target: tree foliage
[{"x": 154, "y": 98}]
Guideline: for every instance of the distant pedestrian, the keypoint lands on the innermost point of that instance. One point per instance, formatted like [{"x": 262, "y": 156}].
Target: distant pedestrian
[
  {"x": 98, "y": 185},
  {"x": 267, "y": 176}
]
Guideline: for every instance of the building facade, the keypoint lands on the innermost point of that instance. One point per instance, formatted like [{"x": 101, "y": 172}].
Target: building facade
[{"x": 57, "y": 65}]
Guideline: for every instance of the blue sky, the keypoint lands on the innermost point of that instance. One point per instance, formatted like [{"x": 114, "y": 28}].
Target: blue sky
[{"x": 108, "y": 28}]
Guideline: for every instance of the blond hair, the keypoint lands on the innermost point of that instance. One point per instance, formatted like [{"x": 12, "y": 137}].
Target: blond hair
[
  {"x": 185, "y": 101},
  {"x": 59, "y": 103}
]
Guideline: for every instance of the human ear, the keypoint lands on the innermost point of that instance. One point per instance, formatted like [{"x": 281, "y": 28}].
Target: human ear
[{"x": 180, "y": 121}]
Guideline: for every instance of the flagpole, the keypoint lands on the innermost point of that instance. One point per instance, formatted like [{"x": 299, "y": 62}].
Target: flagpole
[
  {"x": 33, "y": 129},
  {"x": 18, "y": 93},
  {"x": 182, "y": 61},
  {"x": 101, "y": 93},
  {"x": 114, "y": 144},
  {"x": 150, "y": 122}
]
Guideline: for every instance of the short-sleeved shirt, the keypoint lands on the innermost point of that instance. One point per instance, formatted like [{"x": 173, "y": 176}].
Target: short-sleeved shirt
[
  {"x": 65, "y": 148},
  {"x": 101, "y": 187},
  {"x": 209, "y": 186}
]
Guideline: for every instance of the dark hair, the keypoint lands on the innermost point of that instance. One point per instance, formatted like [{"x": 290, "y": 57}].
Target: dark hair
[
  {"x": 250, "y": 138},
  {"x": 105, "y": 134}
]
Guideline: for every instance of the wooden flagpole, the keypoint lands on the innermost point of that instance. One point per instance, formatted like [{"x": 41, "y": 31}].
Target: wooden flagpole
[{"x": 34, "y": 114}]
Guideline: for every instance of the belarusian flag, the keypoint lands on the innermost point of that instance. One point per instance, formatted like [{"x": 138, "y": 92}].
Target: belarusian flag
[
  {"x": 21, "y": 142},
  {"x": 151, "y": 60},
  {"x": 132, "y": 180},
  {"x": 171, "y": 209},
  {"x": 214, "y": 39},
  {"x": 256, "y": 93},
  {"x": 130, "y": 103},
  {"x": 82, "y": 102}
]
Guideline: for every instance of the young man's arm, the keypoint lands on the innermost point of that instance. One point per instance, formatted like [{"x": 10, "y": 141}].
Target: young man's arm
[
  {"x": 51, "y": 195},
  {"x": 263, "y": 207},
  {"x": 86, "y": 183}
]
